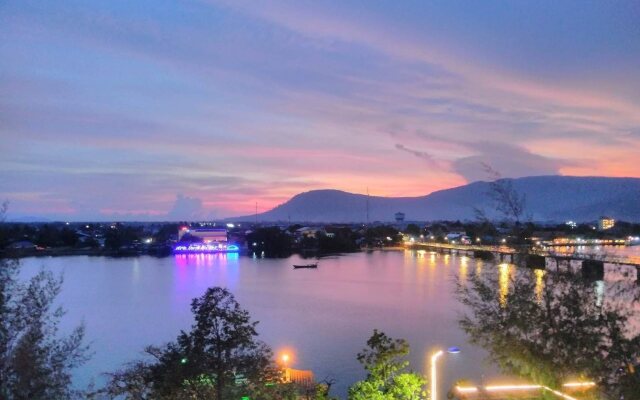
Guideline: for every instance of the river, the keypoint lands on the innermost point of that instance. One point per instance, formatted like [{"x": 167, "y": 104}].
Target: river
[{"x": 322, "y": 316}]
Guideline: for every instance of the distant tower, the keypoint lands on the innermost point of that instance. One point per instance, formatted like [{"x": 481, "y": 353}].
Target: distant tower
[
  {"x": 399, "y": 217},
  {"x": 367, "y": 205}
]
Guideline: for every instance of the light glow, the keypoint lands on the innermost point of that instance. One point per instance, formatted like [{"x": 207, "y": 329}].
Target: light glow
[
  {"x": 579, "y": 384},
  {"x": 434, "y": 376},
  {"x": 506, "y": 388},
  {"x": 512, "y": 387},
  {"x": 182, "y": 248},
  {"x": 471, "y": 389}
]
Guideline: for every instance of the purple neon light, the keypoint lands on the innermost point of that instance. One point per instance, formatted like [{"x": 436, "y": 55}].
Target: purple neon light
[{"x": 181, "y": 248}]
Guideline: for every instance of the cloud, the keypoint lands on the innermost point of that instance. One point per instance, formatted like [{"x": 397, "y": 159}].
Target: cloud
[
  {"x": 186, "y": 208},
  {"x": 510, "y": 161},
  {"x": 420, "y": 154},
  {"x": 246, "y": 102}
]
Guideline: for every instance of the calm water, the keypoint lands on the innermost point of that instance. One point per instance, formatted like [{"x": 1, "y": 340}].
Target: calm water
[{"x": 324, "y": 315}]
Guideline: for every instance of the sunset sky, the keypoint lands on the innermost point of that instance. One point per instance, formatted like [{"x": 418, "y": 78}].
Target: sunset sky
[{"x": 199, "y": 109}]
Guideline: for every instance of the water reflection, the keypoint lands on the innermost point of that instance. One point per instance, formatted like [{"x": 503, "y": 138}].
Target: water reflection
[
  {"x": 464, "y": 264},
  {"x": 504, "y": 282},
  {"x": 553, "y": 327},
  {"x": 205, "y": 259},
  {"x": 539, "y": 273}
]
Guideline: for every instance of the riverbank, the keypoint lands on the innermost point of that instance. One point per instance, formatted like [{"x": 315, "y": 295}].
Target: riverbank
[
  {"x": 159, "y": 251},
  {"x": 86, "y": 251}
]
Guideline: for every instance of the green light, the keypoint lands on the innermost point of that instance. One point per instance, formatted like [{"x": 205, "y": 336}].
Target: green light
[
  {"x": 245, "y": 398},
  {"x": 183, "y": 361}
]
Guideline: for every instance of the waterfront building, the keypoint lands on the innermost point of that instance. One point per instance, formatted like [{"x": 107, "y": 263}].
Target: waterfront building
[
  {"x": 208, "y": 240},
  {"x": 207, "y": 235},
  {"x": 605, "y": 223}
]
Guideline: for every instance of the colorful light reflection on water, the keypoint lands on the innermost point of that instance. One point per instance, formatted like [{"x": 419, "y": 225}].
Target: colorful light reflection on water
[{"x": 196, "y": 248}]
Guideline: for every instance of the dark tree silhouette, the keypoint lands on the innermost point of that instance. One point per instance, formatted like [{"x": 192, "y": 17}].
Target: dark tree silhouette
[
  {"x": 549, "y": 327},
  {"x": 220, "y": 358},
  {"x": 36, "y": 360}
]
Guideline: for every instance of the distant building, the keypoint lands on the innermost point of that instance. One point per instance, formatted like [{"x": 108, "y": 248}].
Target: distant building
[
  {"x": 299, "y": 376},
  {"x": 458, "y": 236},
  {"x": 605, "y": 223},
  {"x": 307, "y": 231},
  {"x": 399, "y": 217},
  {"x": 22, "y": 245},
  {"x": 208, "y": 235}
]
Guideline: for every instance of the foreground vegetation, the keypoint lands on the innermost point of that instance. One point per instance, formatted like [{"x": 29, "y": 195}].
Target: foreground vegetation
[{"x": 550, "y": 328}]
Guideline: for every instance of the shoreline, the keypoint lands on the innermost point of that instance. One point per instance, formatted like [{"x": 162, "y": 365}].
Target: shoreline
[{"x": 158, "y": 252}]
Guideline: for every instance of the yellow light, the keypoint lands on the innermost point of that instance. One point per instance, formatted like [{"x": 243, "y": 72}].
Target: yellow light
[
  {"x": 506, "y": 388},
  {"x": 511, "y": 387},
  {"x": 471, "y": 389},
  {"x": 557, "y": 393},
  {"x": 285, "y": 358},
  {"x": 539, "y": 283},
  {"x": 579, "y": 384},
  {"x": 503, "y": 281},
  {"x": 434, "y": 384}
]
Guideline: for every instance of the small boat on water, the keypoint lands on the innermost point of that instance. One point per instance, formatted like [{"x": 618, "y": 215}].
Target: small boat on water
[{"x": 296, "y": 266}]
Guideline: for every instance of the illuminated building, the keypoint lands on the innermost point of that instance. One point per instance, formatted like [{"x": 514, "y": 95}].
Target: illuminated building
[
  {"x": 207, "y": 235},
  {"x": 605, "y": 223},
  {"x": 208, "y": 240}
]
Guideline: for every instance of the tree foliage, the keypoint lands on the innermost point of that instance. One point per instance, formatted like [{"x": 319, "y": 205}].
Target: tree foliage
[
  {"x": 271, "y": 240},
  {"x": 220, "y": 358},
  {"x": 507, "y": 203},
  {"x": 36, "y": 360},
  {"x": 551, "y": 327},
  {"x": 384, "y": 359}
]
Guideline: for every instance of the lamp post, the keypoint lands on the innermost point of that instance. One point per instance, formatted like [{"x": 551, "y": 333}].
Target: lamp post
[
  {"x": 434, "y": 377},
  {"x": 285, "y": 360},
  {"x": 434, "y": 374}
]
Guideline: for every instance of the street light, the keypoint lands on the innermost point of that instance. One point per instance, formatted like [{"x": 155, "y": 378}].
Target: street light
[
  {"x": 434, "y": 385},
  {"x": 434, "y": 373}
]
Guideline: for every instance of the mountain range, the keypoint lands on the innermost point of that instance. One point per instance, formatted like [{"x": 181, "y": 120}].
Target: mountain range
[{"x": 548, "y": 198}]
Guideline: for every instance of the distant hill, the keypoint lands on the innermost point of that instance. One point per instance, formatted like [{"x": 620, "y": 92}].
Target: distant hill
[{"x": 549, "y": 198}]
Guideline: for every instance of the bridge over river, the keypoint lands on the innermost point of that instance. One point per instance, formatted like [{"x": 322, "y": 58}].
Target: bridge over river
[{"x": 601, "y": 265}]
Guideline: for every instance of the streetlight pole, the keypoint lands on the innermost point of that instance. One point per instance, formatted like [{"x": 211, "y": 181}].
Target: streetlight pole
[
  {"x": 434, "y": 377},
  {"x": 434, "y": 374}
]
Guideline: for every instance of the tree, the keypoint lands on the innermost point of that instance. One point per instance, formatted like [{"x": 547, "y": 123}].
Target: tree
[
  {"x": 272, "y": 240},
  {"x": 413, "y": 229},
  {"x": 549, "y": 327},
  {"x": 387, "y": 376},
  {"x": 35, "y": 359},
  {"x": 68, "y": 237},
  {"x": 342, "y": 240},
  {"x": 121, "y": 236},
  {"x": 506, "y": 201},
  {"x": 220, "y": 358}
]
